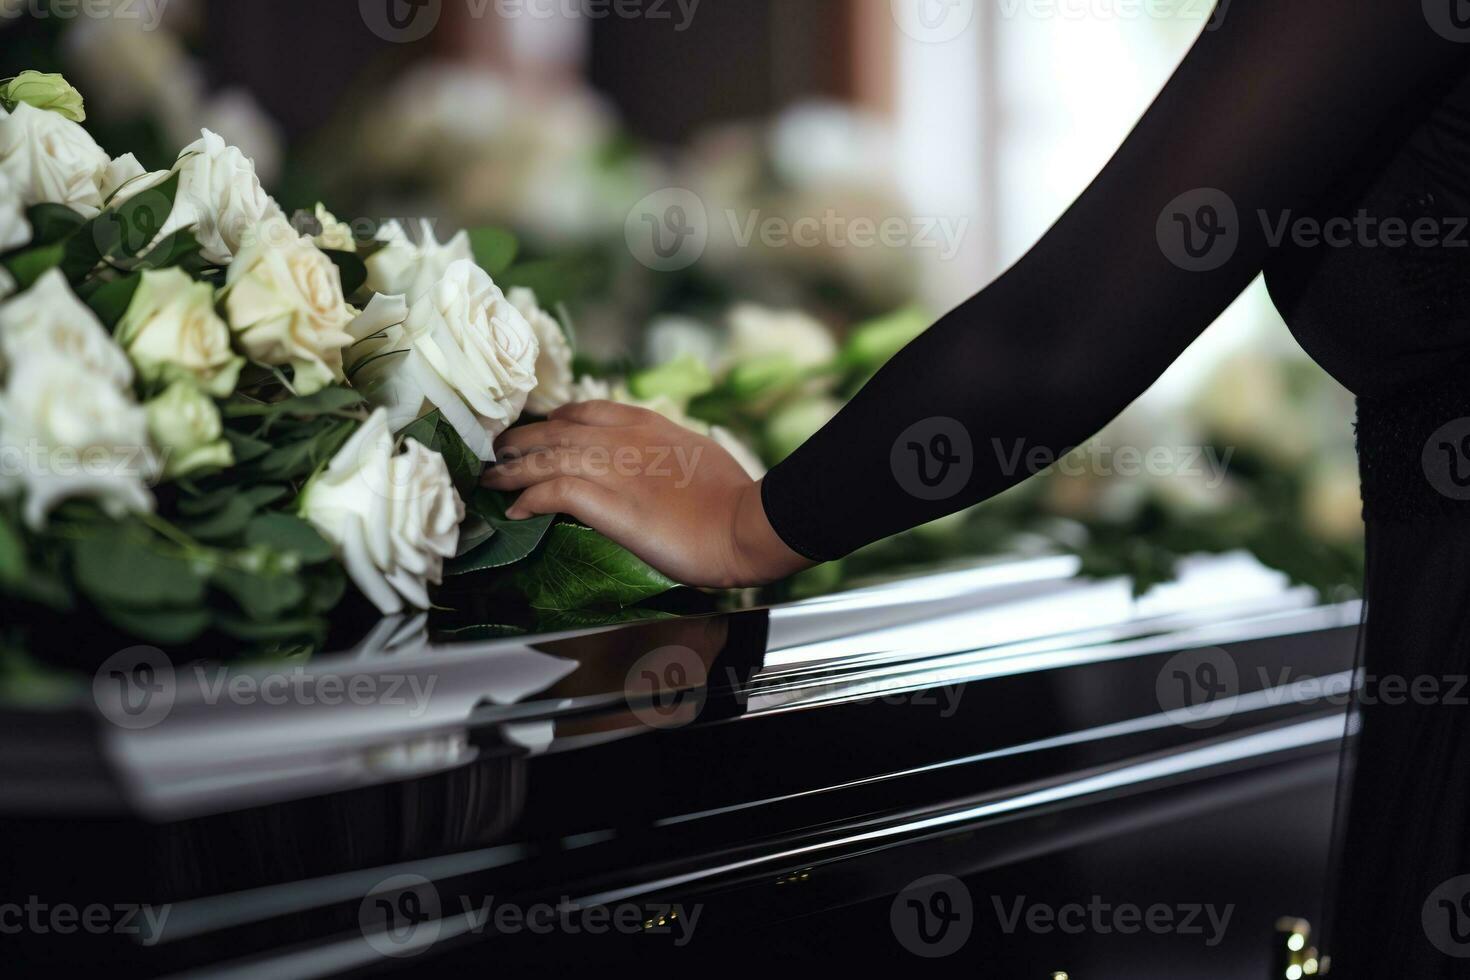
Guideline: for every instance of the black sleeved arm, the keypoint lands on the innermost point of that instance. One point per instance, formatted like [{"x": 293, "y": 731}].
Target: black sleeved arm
[{"x": 1271, "y": 106}]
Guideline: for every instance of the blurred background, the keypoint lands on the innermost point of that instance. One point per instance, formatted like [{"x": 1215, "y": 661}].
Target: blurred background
[{"x": 832, "y": 175}]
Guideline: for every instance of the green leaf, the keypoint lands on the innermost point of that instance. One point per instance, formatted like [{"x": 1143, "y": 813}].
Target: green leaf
[
  {"x": 110, "y": 300},
  {"x": 120, "y": 565},
  {"x": 559, "y": 280},
  {"x": 259, "y": 497},
  {"x": 122, "y": 233},
  {"x": 28, "y": 266},
  {"x": 180, "y": 249},
  {"x": 288, "y": 534},
  {"x": 226, "y": 522},
  {"x": 331, "y": 400},
  {"x": 495, "y": 249},
  {"x": 325, "y": 588},
  {"x": 166, "y": 627},
  {"x": 247, "y": 449},
  {"x": 509, "y": 541},
  {"x": 263, "y": 596},
  {"x": 12, "y": 555},
  {"x": 353, "y": 270},
  {"x": 295, "y": 460},
  {"x": 578, "y": 568},
  {"x": 51, "y": 223}
]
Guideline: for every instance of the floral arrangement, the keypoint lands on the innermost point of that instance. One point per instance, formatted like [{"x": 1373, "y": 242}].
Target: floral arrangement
[{"x": 218, "y": 425}]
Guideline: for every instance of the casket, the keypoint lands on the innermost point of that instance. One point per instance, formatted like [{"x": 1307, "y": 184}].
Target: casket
[{"x": 1004, "y": 766}]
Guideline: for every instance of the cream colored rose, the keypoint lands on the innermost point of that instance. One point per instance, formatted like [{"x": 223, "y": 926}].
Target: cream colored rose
[
  {"x": 283, "y": 299},
  {"x": 66, "y": 433},
  {"x": 171, "y": 332},
  {"x": 461, "y": 348},
  {"x": 554, "y": 364},
  {"x": 393, "y": 517},
  {"x": 50, "y": 159},
  {"x": 48, "y": 318},
  {"x": 187, "y": 431},
  {"x": 335, "y": 235},
  {"x": 406, "y": 268},
  {"x": 760, "y": 334}
]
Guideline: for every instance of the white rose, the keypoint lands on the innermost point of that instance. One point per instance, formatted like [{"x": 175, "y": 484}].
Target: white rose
[
  {"x": 283, "y": 299},
  {"x": 171, "y": 331},
  {"x": 760, "y": 334},
  {"x": 219, "y": 197},
  {"x": 238, "y": 117},
  {"x": 50, "y": 159},
  {"x": 15, "y": 229},
  {"x": 186, "y": 428},
  {"x": 461, "y": 348},
  {"x": 393, "y": 518},
  {"x": 49, "y": 319},
  {"x": 670, "y": 338},
  {"x": 554, "y": 365},
  {"x": 65, "y": 433},
  {"x": 405, "y": 268}
]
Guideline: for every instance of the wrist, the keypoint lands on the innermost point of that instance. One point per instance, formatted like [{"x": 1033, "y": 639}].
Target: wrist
[{"x": 761, "y": 556}]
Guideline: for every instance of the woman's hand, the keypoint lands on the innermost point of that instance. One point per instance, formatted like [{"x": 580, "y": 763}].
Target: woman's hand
[{"x": 672, "y": 497}]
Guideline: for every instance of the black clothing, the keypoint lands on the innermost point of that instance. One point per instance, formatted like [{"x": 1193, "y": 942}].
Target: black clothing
[{"x": 1348, "y": 116}]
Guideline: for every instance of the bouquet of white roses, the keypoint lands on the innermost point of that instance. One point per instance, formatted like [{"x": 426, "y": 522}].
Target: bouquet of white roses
[{"x": 213, "y": 418}]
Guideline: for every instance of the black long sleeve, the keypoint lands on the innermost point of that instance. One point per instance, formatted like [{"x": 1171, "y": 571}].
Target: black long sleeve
[{"x": 1272, "y": 106}]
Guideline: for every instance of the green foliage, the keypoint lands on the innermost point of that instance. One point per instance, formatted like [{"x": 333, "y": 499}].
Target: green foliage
[
  {"x": 504, "y": 543},
  {"x": 495, "y": 249},
  {"x": 578, "y": 568},
  {"x": 433, "y": 432}
]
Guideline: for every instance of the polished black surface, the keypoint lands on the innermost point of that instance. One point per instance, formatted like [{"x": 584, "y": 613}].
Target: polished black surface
[{"x": 779, "y": 775}]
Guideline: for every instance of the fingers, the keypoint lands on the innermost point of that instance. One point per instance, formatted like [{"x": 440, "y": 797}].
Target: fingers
[
  {"x": 526, "y": 439},
  {"x": 600, "y": 413},
  {"x": 598, "y": 507},
  {"x": 531, "y": 469}
]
